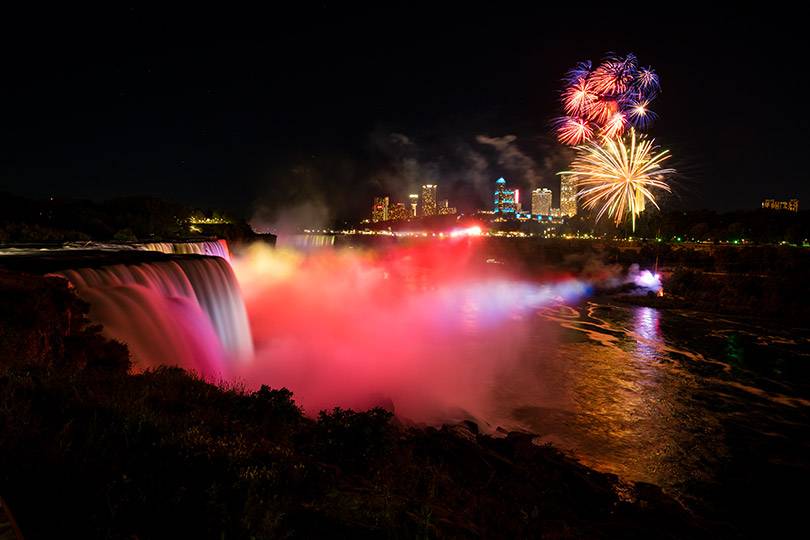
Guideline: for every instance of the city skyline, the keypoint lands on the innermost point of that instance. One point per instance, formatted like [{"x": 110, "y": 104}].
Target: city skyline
[
  {"x": 506, "y": 203},
  {"x": 426, "y": 205},
  {"x": 204, "y": 119}
]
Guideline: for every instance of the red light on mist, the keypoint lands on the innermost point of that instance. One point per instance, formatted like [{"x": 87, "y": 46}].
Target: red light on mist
[{"x": 414, "y": 324}]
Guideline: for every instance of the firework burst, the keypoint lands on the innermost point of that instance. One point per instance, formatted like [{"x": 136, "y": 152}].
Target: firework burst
[
  {"x": 608, "y": 98},
  {"x": 648, "y": 81},
  {"x": 611, "y": 78},
  {"x": 639, "y": 114},
  {"x": 578, "y": 98},
  {"x": 603, "y": 110},
  {"x": 616, "y": 177},
  {"x": 580, "y": 71},
  {"x": 614, "y": 126},
  {"x": 574, "y": 131}
]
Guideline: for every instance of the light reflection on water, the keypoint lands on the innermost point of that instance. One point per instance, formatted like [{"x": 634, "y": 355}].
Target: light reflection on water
[
  {"x": 645, "y": 325},
  {"x": 648, "y": 395}
]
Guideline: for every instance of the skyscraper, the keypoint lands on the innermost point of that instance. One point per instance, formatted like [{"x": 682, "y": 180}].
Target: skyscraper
[
  {"x": 429, "y": 192},
  {"x": 414, "y": 198},
  {"x": 445, "y": 208},
  {"x": 504, "y": 201},
  {"x": 541, "y": 202},
  {"x": 568, "y": 196},
  {"x": 397, "y": 211},
  {"x": 379, "y": 212}
]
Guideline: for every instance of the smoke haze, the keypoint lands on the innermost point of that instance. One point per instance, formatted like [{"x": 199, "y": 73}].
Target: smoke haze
[{"x": 319, "y": 190}]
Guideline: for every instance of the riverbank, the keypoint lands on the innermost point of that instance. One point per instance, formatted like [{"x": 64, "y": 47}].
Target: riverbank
[{"x": 105, "y": 453}]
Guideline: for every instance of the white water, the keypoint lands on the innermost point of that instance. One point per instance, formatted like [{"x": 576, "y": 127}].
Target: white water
[
  {"x": 305, "y": 242},
  {"x": 217, "y": 248},
  {"x": 186, "y": 312}
]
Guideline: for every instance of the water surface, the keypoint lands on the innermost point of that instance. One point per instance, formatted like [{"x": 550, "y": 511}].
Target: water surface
[{"x": 712, "y": 409}]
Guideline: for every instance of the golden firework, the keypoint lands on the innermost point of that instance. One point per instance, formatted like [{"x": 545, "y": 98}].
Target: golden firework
[{"x": 617, "y": 175}]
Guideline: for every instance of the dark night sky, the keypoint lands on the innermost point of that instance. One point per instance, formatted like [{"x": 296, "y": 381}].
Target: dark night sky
[{"x": 247, "y": 110}]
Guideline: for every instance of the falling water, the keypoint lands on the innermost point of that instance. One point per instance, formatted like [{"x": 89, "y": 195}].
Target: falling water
[
  {"x": 218, "y": 248},
  {"x": 305, "y": 242},
  {"x": 186, "y": 311}
]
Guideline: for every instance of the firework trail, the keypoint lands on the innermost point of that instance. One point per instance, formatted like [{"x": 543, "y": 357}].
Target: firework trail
[{"x": 616, "y": 176}]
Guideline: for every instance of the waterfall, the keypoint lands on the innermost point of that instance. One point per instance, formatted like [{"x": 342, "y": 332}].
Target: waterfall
[
  {"x": 186, "y": 311},
  {"x": 305, "y": 242},
  {"x": 218, "y": 248}
]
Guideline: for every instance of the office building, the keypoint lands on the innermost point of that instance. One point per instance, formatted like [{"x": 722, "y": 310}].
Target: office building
[
  {"x": 429, "y": 192},
  {"x": 568, "y": 195},
  {"x": 791, "y": 205},
  {"x": 379, "y": 211},
  {"x": 414, "y": 201},
  {"x": 504, "y": 200},
  {"x": 398, "y": 211},
  {"x": 541, "y": 202},
  {"x": 445, "y": 208}
]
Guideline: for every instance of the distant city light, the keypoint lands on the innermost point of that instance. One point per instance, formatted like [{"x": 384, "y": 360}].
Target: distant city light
[
  {"x": 196, "y": 220},
  {"x": 475, "y": 230},
  {"x": 790, "y": 205}
]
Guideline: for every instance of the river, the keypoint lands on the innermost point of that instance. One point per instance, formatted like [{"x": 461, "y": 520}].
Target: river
[{"x": 712, "y": 409}]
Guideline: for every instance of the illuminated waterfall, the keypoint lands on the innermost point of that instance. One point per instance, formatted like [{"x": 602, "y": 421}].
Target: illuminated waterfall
[
  {"x": 186, "y": 311},
  {"x": 218, "y": 248},
  {"x": 305, "y": 242}
]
